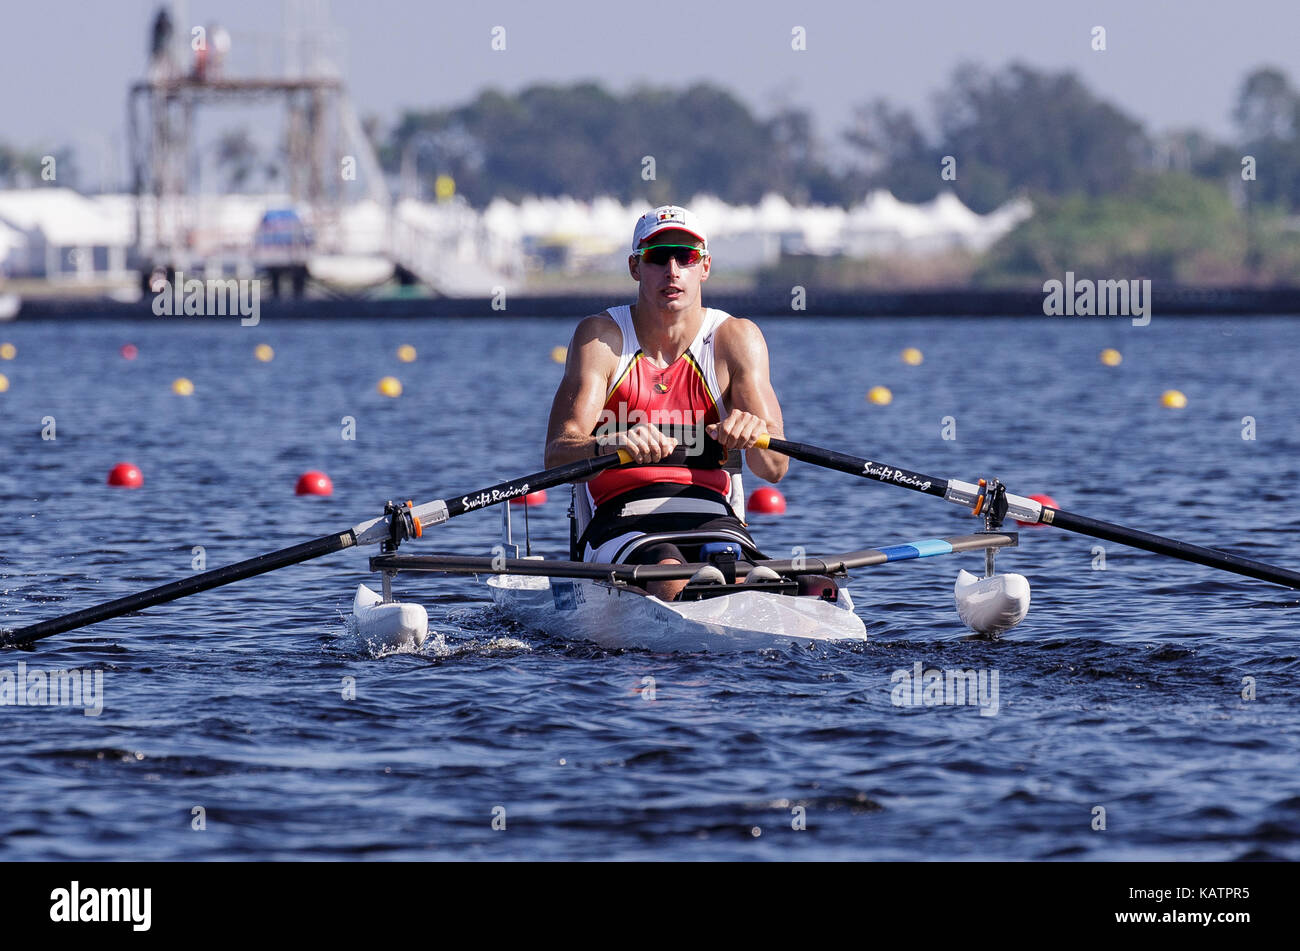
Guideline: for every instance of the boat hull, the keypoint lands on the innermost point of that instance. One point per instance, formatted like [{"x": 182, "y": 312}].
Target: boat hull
[{"x": 619, "y": 617}]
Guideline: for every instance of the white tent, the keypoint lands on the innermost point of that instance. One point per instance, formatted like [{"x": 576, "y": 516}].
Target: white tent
[{"x": 69, "y": 233}]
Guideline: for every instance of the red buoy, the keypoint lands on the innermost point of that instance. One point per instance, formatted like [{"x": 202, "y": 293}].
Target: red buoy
[
  {"x": 126, "y": 475},
  {"x": 1041, "y": 500},
  {"x": 130, "y": 351},
  {"x": 314, "y": 483},
  {"x": 532, "y": 498},
  {"x": 766, "y": 501}
]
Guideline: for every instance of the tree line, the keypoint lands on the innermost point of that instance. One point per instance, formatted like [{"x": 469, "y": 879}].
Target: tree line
[
  {"x": 999, "y": 133},
  {"x": 1017, "y": 130}
]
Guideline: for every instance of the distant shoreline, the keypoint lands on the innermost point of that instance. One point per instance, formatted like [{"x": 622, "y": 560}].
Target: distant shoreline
[{"x": 952, "y": 302}]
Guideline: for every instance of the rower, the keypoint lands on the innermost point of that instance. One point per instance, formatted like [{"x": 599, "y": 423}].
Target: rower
[{"x": 656, "y": 378}]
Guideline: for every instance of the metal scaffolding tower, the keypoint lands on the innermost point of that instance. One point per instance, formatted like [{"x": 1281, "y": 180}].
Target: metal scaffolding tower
[{"x": 174, "y": 224}]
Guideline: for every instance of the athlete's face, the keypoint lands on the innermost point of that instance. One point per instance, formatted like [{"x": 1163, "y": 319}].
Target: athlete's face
[{"x": 670, "y": 286}]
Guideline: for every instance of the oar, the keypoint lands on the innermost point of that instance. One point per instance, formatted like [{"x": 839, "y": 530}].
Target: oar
[
  {"x": 401, "y": 523},
  {"x": 1027, "y": 510}
]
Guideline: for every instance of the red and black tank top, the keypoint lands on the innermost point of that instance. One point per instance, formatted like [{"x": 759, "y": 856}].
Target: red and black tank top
[{"x": 684, "y": 394}]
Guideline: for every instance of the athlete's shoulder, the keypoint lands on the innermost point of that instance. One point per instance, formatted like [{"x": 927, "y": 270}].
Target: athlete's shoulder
[
  {"x": 601, "y": 327},
  {"x": 738, "y": 335},
  {"x": 597, "y": 343}
]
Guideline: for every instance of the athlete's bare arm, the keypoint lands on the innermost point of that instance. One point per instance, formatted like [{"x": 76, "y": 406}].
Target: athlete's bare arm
[
  {"x": 575, "y": 411},
  {"x": 753, "y": 409}
]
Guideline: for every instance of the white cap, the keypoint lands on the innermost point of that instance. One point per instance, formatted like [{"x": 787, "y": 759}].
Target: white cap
[{"x": 667, "y": 218}]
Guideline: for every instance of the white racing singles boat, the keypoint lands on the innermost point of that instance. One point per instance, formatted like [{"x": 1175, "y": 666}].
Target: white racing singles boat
[
  {"x": 619, "y": 615},
  {"x": 736, "y": 599}
]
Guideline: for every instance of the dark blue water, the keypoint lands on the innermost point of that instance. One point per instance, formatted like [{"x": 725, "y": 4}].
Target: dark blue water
[{"x": 1122, "y": 691}]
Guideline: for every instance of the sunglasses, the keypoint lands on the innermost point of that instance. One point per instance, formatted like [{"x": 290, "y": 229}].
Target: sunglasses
[{"x": 684, "y": 254}]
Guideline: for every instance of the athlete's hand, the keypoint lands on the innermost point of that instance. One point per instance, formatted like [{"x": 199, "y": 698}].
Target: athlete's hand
[
  {"x": 740, "y": 430},
  {"x": 644, "y": 442}
]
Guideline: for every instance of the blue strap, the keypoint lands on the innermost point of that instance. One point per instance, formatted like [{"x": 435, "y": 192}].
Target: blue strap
[{"x": 924, "y": 548}]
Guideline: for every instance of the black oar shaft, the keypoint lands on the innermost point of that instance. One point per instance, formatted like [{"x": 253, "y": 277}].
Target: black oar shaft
[
  {"x": 865, "y": 468},
  {"x": 1081, "y": 524},
  {"x": 516, "y": 488},
  {"x": 368, "y": 533},
  {"x": 325, "y": 545},
  {"x": 1172, "y": 547}
]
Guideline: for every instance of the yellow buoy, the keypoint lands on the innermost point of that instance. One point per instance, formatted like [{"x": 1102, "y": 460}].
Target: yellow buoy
[
  {"x": 1173, "y": 399},
  {"x": 912, "y": 357},
  {"x": 559, "y": 354},
  {"x": 880, "y": 395},
  {"x": 182, "y": 387},
  {"x": 1111, "y": 357},
  {"x": 406, "y": 353},
  {"x": 264, "y": 352},
  {"x": 444, "y": 187},
  {"x": 8, "y": 351},
  {"x": 4, "y": 382},
  {"x": 390, "y": 386}
]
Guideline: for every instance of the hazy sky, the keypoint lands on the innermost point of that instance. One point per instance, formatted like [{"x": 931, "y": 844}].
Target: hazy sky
[{"x": 64, "y": 66}]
